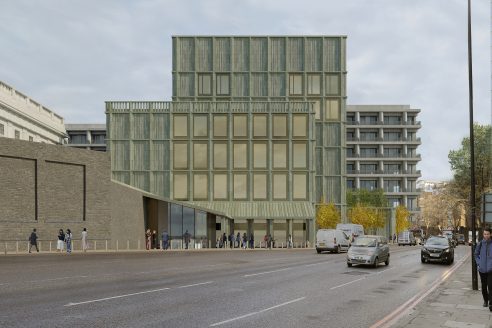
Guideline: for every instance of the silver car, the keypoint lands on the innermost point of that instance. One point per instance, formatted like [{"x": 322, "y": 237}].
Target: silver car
[{"x": 369, "y": 250}]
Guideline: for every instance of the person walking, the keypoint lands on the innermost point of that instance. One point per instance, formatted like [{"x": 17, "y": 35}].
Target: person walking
[
  {"x": 155, "y": 244},
  {"x": 252, "y": 241},
  {"x": 85, "y": 244},
  {"x": 186, "y": 237},
  {"x": 224, "y": 240},
  {"x": 232, "y": 240},
  {"x": 238, "y": 240},
  {"x": 165, "y": 240},
  {"x": 33, "y": 240},
  {"x": 269, "y": 241},
  {"x": 289, "y": 242},
  {"x": 483, "y": 257},
  {"x": 60, "y": 243},
  {"x": 148, "y": 236},
  {"x": 68, "y": 240}
]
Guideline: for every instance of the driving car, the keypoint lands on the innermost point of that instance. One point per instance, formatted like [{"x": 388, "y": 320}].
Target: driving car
[
  {"x": 460, "y": 238},
  {"x": 369, "y": 250},
  {"x": 437, "y": 249}
]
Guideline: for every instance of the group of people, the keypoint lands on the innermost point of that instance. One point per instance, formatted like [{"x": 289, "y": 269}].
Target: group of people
[
  {"x": 64, "y": 240},
  {"x": 235, "y": 241},
  {"x": 152, "y": 241}
]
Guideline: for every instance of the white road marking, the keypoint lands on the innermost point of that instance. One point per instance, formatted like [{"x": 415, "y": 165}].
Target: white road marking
[
  {"x": 347, "y": 283},
  {"x": 266, "y": 272},
  {"x": 199, "y": 284},
  {"x": 119, "y": 296},
  {"x": 256, "y": 312},
  {"x": 313, "y": 264}
]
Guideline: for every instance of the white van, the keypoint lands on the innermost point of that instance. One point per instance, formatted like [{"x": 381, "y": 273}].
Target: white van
[
  {"x": 331, "y": 240},
  {"x": 351, "y": 229}
]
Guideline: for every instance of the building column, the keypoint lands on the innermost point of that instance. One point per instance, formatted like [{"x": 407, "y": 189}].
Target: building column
[
  {"x": 310, "y": 231},
  {"x": 231, "y": 226},
  {"x": 250, "y": 229},
  {"x": 269, "y": 227},
  {"x": 289, "y": 229}
]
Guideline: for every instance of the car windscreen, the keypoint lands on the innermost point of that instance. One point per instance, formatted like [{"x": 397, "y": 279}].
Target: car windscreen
[
  {"x": 365, "y": 242},
  {"x": 437, "y": 241}
]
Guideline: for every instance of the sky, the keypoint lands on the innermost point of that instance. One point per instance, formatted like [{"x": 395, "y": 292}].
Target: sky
[{"x": 72, "y": 56}]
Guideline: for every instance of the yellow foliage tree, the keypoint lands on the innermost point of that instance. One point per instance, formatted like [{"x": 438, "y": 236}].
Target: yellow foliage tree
[
  {"x": 327, "y": 216},
  {"x": 370, "y": 218},
  {"x": 402, "y": 222}
]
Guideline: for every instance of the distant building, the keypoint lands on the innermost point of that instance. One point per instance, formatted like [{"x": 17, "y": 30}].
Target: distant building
[
  {"x": 87, "y": 136},
  {"x": 23, "y": 118},
  {"x": 382, "y": 147}
]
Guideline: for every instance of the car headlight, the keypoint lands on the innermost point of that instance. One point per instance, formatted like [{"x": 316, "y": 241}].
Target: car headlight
[
  {"x": 447, "y": 250},
  {"x": 425, "y": 250}
]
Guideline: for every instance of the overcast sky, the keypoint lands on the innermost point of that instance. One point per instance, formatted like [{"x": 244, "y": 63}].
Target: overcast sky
[{"x": 71, "y": 56}]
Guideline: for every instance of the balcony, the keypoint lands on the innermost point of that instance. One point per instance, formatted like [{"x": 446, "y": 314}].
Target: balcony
[{"x": 414, "y": 123}]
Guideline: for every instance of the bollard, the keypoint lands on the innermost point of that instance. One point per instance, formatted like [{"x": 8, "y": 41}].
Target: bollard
[
  {"x": 161, "y": 243},
  {"x": 50, "y": 246},
  {"x": 106, "y": 245},
  {"x": 17, "y": 247},
  {"x": 209, "y": 244},
  {"x": 117, "y": 247},
  {"x": 127, "y": 245},
  {"x": 138, "y": 244}
]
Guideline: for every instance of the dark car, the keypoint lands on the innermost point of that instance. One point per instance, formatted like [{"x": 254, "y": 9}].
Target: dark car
[
  {"x": 460, "y": 238},
  {"x": 437, "y": 249}
]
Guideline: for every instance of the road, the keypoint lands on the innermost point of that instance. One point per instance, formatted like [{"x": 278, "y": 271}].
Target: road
[{"x": 218, "y": 288}]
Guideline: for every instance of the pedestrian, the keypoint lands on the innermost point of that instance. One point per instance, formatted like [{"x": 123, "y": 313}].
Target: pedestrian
[
  {"x": 154, "y": 240},
  {"x": 394, "y": 238},
  {"x": 33, "y": 240},
  {"x": 238, "y": 240},
  {"x": 60, "y": 243},
  {"x": 269, "y": 241},
  {"x": 68, "y": 240},
  {"x": 483, "y": 257},
  {"x": 186, "y": 237},
  {"x": 232, "y": 240},
  {"x": 252, "y": 241},
  {"x": 85, "y": 244},
  {"x": 148, "y": 236},
  {"x": 224, "y": 240},
  {"x": 289, "y": 242},
  {"x": 165, "y": 240}
]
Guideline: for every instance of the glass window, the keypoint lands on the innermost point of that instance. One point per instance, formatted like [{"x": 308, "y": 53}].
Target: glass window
[
  {"x": 200, "y": 126},
  {"x": 240, "y": 125},
  {"x": 259, "y": 186},
  {"x": 299, "y": 155},
  {"x": 180, "y": 126},
  {"x": 204, "y": 84},
  {"x": 200, "y": 187},
  {"x": 259, "y": 125},
  {"x": 189, "y": 221},
  {"x": 279, "y": 186},
  {"x": 240, "y": 186},
  {"x": 295, "y": 84},
  {"x": 260, "y": 155},
  {"x": 220, "y": 186},
  {"x": 392, "y": 185},
  {"x": 223, "y": 84},
  {"x": 200, "y": 158},
  {"x": 332, "y": 84},
  {"x": 314, "y": 84},
  {"x": 332, "y": 109},
  {"x": 2, "y": 129},
  {"x": 176, "y": 221},
  {"x": 17, "y": 134},
  {"x": 368, "y": 152},
  {"x": 350, "y": 184},
  {"x": 31, "y": 138},
  {"x": 240, "y": 155},
  {"x": 78, "y": 139},
  {"x": 368, "y": 184},
  {"x": 299, "y": 125},
  {"x": 279, "y": 155},
  {"x": 200, "y": 224},
  {"x": 180, "y": 186},
  {"x": 220, "y": 155},
  {"x": 279, "y": 125},
  {"x": 98, "y": 138},
  {"x": 220, "y": 125},
  {"x": 299, "y": 186},
  {"x": 180, "y": 155}
]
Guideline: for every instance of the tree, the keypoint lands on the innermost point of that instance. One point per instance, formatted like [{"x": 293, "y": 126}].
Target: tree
[
  {"x": 370, "y": 218},
  {"x": 327, "y": 216},
  {"x": 402, "y": 222},
  {"x": 368, "y": 208},
  {"x": 372, "y": 198}
]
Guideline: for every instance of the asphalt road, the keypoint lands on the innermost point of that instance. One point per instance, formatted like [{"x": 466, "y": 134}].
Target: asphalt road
[{"x": 239, "y": 288}]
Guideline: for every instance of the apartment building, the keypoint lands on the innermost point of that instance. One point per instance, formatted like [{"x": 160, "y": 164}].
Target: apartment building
[{"x": 87, "y": 136}]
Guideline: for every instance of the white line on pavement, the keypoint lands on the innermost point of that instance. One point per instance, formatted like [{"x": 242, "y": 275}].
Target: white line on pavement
[
  {"x": 266, "y": 272},
  {"x": 313, "y": 264},
  {"x": 119, "y": 296},
  {"x": 347, "y": 283},
  {"x": 201, "y": 283},
  {"x": 256, "y": 312}
]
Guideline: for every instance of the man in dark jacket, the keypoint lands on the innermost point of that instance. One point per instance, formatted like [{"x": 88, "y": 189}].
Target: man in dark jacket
[
  {"x": 483, "y": 257},
  {"x": 33, "y": 240}
]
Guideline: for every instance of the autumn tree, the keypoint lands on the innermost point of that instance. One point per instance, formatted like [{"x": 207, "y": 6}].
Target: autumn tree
[
  {"x": 327, "y": 216},
  {"x": 402, "y": 222},
  {"x": 368, "y": 208}
]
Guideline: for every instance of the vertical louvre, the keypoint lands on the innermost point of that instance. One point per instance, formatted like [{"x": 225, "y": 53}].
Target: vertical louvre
[
  {"x": 186, "y": 85},
  {"x": 332, "y": 161},
  {"x": 319, "y": 161},
  {"x": 222, "y": 55},
  {"x": 277, "y": 57},
  {"x": 259, "y": 55},
  {"x": 259, "y": 82},
  {"x": 240, "y": 85},
  {"x": 120, "y": 155},
  {"x": 160, "y": 126},
  {"x": 314, "y": 62},
  {"x": 204, "y": 54},
  {"x": 123, "y": 177},
  {"x": 319, "y": 134},
  {"x": 241, "y": 55},
  {"x": 141, "y": 180},
  {"x": 333, "y": 189},
  {"x": 331, "y": 55},
  {"x": 120, "y": 126},
  {"x": 332, "y": 132},
  {"x": 295, "y": 54},
  {"x": 159, "y": 184},
  {"x": 141, "y": 126},
  {"x": 319, "y": 189},
  {"x": 186, "y": 55},
  {"x": 277, "y": 85},
  {"x": 160, "y": 155},
  {"x": 141, "y": 155}
]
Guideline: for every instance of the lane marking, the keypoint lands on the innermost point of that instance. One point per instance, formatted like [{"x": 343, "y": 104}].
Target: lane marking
[
  {"x": 119, "y": 296},
  {"x": 403, "y": 309},
  {"x": 199, "y": 284},
  {"x": 313, "y": 264},
  {"x": 266, "y": 272},
  {"x": 347, "y": 283},
  {"x": 256, "y": 312}
]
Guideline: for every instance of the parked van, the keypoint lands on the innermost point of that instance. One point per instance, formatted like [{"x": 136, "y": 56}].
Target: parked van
[
  {"x": 351, "y": 229},
  {"x": 331, "y": 240},
  {"x": 406, "y": 238}
]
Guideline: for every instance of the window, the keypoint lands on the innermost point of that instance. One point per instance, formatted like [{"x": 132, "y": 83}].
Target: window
[
  {"x": 279, "y": 125},
  {"x": 98, "y": 139},
  {"x": 260, "y": 155},
  {"x": 259, "y": 125},
  {"x": 31, "y": 138},
  {"x": 392, "y": 152},
  {"x": 176, "y": 221},
  {"x": 78, "y": 139},
  {"x": 332, "y": 84},
  {"x": 392, "y": 119},
  {"x": 200, "y": 126},
  {"x": 332, "y": 109},
  {"x": 392, "y": 168},
  {"x": 392, "y": 136},
  {"x": 299, "y": 155},
  {"x": 240, "y": 126},
  {"x": 180, "y": 126},
  {"x": 220, "y": 126},
  {"x": 368, "y": 152},
  {"x": 240, "y": 155},
  {"x": 392, "y": 185},
  {"x": 200, "y": 224},
  {"x": 259, "y": 186},
  {"x": 350, "y": 152},
  {"x": 350, "y": 168},
  {"x": 200, "y": 186},
  {"x": 295, "y": 84},
  {"x": 350, "y": 184},
  {"x": 17, "y": 134},
  {"x": 223, "y": 84},
  {"x": 2, "y": 129},
  {"x": 368, "y": 168},
  {"x": 299, "y": 124},
  {"x": 368, "y": 119},
  {"x": 279, "y": 186},
  {"x": 369, "y": 136},
  {"x": 299, "y": 186},
  {"x": 314, "y": 84},
  {"x": 220, "y": 186},
  {"x": 204, "y": 84},
  {"x": 279, "y": 155},
  {"x": 368, "y": 184},
  {"x": 188, "y": 221},
  {"x": 220, "y": 156},
  {"x": 200, "y": 158},
  {"x": 180, "y": 186},
  {"x": 180, "y": 155},
  {"x": 240, "y": 186}
]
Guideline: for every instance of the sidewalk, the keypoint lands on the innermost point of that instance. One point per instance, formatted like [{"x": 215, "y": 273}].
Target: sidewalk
[{"x": 453, "y": 304}]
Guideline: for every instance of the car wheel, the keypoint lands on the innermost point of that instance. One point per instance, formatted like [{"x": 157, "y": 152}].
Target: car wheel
[
  {"x": 387, "y": 262},
  {"x": 338, "y": 249},
  {"x": 422, "y": 259},
  {"x": 450, "y": 261},
  {"x": 349, "y": 265},
  {"x": 376, "y": 262},
  {"x": 318, "y": 251}
]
